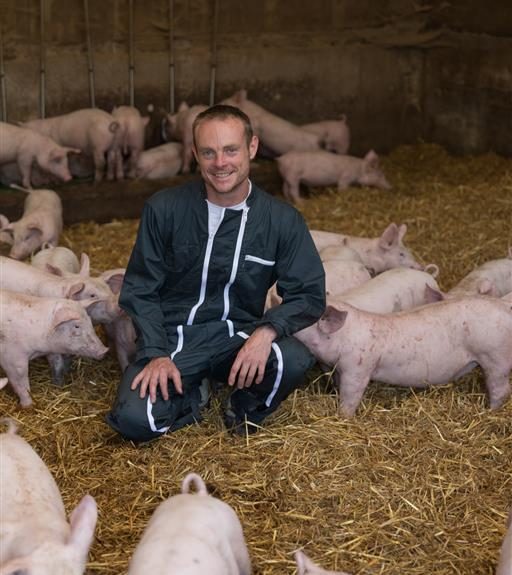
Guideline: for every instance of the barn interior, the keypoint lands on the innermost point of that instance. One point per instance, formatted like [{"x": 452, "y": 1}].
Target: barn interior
[{"x": 418, "y": 481}]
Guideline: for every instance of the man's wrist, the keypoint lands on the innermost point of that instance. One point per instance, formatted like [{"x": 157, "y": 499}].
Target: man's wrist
[{"x": 268, "y": 331}]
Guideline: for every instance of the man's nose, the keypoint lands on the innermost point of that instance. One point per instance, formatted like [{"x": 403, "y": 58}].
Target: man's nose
[{"x": 219, "y": 159}]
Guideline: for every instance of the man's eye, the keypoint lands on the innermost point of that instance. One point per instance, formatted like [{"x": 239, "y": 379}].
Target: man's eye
[{"x": 207, "y": 154}]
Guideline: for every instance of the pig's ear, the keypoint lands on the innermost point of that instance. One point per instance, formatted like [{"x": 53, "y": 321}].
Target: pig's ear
[
  {"x": 114, "y": 279},
  {"x": 486, "y": 287},
  {"x": 333, "y": 319},
  {"x": 85, "y": 266},
  {"x": 83, "y": 522},
  {"x": 34, "y": 229},
  {"x": 402, "y": 229},
  {"x": 371, "y": 158},
  {"x": 73, "y": 150},
  {"x": 62, "y": 314},
  {"x": 55, "y": 270},
  {"x": 21, "y": 566},
  {"x": 74, "y": 290},
  {"x": 389, "y": 237},
  {"x": 433, "y": 295},
  {"x": 304, "y": 564},
  {"x": 4, "y": 222},
  {"x": 183, "y": 106}
]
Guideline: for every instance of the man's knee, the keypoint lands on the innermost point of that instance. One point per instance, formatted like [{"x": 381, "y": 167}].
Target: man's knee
[
  {"x": 130, "y": 419},
  {"x": 297, "y": 359}
]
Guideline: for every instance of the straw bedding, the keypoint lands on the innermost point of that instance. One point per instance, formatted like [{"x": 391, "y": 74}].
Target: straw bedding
[{"x": 417, "y": 482}]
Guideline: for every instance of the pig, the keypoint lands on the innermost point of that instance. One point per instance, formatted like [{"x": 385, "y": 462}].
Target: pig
[
  {"x": 24, "y": 148},
  {"x": 35, "y": 326},
  {"x": 340, "y": 252},
  {"x": 342, "y": 275},
  {"x": 192, "y": 534},
  {"x": 131, "y": 138},
  {"x": 306, "y": 567},
  {"x": 59, "y": 256},
  {"x": 160, "y": 162},
  {"x": 505, "y": 561},
  {"x": 36, "y": 538},
  {"x": 91, "y": 130},
  {"x": 122, "y": 337},
  {"x": 41, "y": 223},
  {"x": 179, "y": 128},
  {"x": 391, "y": 291},
  {"x": 334, "y": 134},
  {"x": 275, "y": 133},
  {"x": 378, "y": 254},
  {"x": 429, "y": 345},
  {"x": 321, "y": 168}
]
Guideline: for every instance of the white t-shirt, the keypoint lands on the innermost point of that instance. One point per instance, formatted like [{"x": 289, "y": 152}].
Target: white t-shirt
[{"x": 216, "y": 213}]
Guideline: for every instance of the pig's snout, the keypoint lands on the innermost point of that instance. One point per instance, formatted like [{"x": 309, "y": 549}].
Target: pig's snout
[{"x": 100, "y": 351}]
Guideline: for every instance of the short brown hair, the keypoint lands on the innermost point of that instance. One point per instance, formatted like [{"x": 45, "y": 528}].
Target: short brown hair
[{"x": 223, "y": 112}]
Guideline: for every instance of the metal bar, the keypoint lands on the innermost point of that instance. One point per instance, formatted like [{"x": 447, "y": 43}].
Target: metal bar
[
  {"x": 131, "y": 67},
  {"x": 42, "y": 67},
  {"x": 171, "y": 57},
  {"x": 213, "y": 68},
  {"x": 90, "y": 55},
  {"x": 3, "y": 93}
]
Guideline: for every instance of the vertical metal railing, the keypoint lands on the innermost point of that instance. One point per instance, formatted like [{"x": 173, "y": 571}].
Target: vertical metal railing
[
  {"x": 3, "y": 93},
  {"x": 42, "y": 62},
  {"x": 90, "y": 55},
  {"x": 131, "y": 66},
  {"x": 213, "y": 51},
  {"x": 171, "y": 58}
]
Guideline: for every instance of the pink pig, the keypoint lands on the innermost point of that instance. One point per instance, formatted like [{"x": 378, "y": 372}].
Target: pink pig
[
  {"x": 131, "y": 135},
  {"x": 378, "y": 254},
  {"x": 160, "y": 162},
  {"x": 334, "y": 134},
  {"x": 192, "y": 534},
  {"x": 36, "y": 326},
  {"x": 25, "y": 148},
  {"x": 91, "y": 130},
  {"x": 320, "y": 168},
  {"x": 505, "y": 561},
  {"x": 36, "y": 537},
  {"x": 58, "y": 256},
  {"x": 429, "y": 345},
  {"x": 179, "y": 127}
]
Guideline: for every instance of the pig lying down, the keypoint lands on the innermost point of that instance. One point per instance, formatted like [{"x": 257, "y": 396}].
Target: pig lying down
[
  {"x": 429, "y": 345},
  {"x": 35, "y": 537},
  {"x": 40, "y": 224},
  {"x": 192, "y": 534}
]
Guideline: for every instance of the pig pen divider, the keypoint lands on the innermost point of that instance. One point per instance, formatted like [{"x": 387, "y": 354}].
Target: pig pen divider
[
  {"x": 3, "y": 94},
  {"x": 131, "y": 66},
  {"x": 90, "y": 56},
  {"x": 171, "y": 57},
  {"x": 213, "y": 68},
  {"x": 42, "y": 62}
]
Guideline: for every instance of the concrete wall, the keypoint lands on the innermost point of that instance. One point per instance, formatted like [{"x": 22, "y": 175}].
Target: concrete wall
[{"x": 401, "y": 70}]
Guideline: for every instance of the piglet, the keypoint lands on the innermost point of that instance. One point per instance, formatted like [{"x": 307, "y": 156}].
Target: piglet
[
  {"x": 192, "y": 534},
  {"x": 378, "y": 254},
  {"x": 160, "y": 162},
  {"x": 321, "y": 168},
  {"x": 36, "y": 326},
  {"x": 344, "y": 275},
  {"x": 131, "y": 139},
  {"x": 340, "y": 252},
  {"x": 56, "y": 256},
  {"x": 179, "y": 128},
  {"x": 334, "y": 134},
  {"x": 428, "y": 345},
  {"x": 306, "y": 567},
  {"x": 36, "y": 538},
  {"x": 505, "y": 561},
  {"x": 41, "y": 223}
]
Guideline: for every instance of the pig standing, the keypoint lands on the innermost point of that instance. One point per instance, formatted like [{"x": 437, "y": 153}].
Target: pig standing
[
  {"x": 24, "y": 147},
  {"x": 306, "y": 567},
  {"x": 179, "y": 127},
  {"x": 131, "y": 138},
  {"x": 391, "y": 291},
  {"x": 160, "y": 162},
  {"x": 275, "y": 133},
  {"x": 40, "y": 224},
  {"x": 91, "y": 130},
  {"x": 378, "y": 254},
  {"x": 505, "y": 561},
  {"x": 36, "y": 538},
  {"x": 59, "y": 256},
  {"x": 429, "y": 345},
  {"x": 36, "y": 326},
  {"x": 320, "y": 168},
  {"x": 334, "y": 134},
  {"x": 193, "y": 534}
]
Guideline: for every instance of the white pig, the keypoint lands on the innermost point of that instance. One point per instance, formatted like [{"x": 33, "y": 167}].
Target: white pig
[
  {"x": 321, "y": 168},
  {"x": 334, "y": 134},
  {"x": 91, "y": 130},
  {"x": 179, "y": 127},
  {"x": 24, "y": 147},
  {"x": 59, "y": 256},
  {"x": 340, "y": 252},
  {"x": 131, "y": 138},
  {"x": 342, "y": 276},
  {"x": 160, "y": 162},
  {"x": 35, "y": 537},
  {"x": 36, "y": 326},
  {"x": 277, "y": 134},
  {"x": 391, "y": 291},
  {"x": 41, "y": 223},
  {"x": 429, "y": 345},
  {"x": 307, "y": 567},
  {"x": 505, "y": 561},
  {"x": 192, "y": 534},
  {"x": 378, "y": 254}
]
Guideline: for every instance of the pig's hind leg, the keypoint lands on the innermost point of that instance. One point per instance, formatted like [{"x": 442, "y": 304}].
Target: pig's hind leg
[
  {"x": 497, "y": 381},
  {"x": 18, "y": 378},
  {"x": 351, "y": 387}
]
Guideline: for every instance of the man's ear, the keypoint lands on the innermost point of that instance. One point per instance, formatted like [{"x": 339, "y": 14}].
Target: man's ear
[{"x": 253, "y": 147}]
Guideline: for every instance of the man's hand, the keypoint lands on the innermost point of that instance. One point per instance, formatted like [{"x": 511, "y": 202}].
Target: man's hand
[
  {"x": 249, "y": 365},
  {"x": 156, "y": 374}
]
